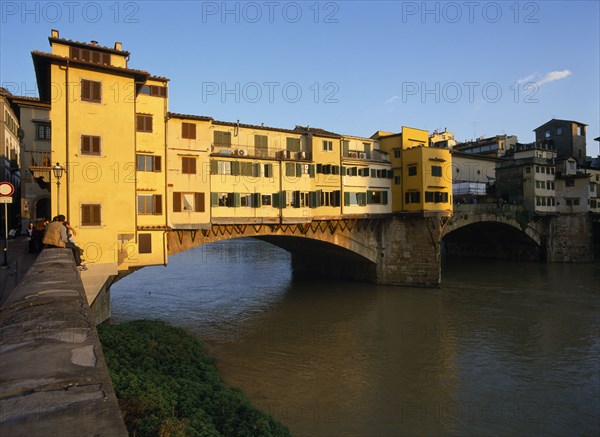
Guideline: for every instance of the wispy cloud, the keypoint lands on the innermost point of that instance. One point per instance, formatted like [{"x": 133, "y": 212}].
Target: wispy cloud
[
  {"x": 392, "y": 99},
  {"x": 540, "y": 79}
]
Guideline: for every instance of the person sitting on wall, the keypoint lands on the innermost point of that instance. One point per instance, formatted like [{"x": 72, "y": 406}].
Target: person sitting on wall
[{"x": 56, "y": 236}]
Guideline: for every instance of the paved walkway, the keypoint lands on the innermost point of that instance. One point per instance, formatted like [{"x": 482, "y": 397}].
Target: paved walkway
[{"x": 19, "y": 261}]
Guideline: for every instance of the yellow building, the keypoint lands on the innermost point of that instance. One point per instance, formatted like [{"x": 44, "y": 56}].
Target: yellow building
[
  {"x": 106, "y": 119},
  {"x": 135, "y": 171},
  {"x": 422, "y": 175}
]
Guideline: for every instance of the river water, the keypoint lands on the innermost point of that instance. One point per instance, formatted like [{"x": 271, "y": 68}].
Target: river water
[{"x": 502, "y": 348}]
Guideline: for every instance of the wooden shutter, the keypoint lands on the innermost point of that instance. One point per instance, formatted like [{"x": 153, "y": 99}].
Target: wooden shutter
[
  {"x": 95, "y": 145},
  {"x": 214, "y": 199},
  {"x": 199, "y": 202},
  {"x": 144, "y": 243},
  {"x": 157, "y": 203},
  {"x": 214, "y": 167},
  {"x": 85, "y": 144},
  {"x": 384, "y": 197},
  {"x": 176, "y": 202},
  {"x": 188, "y": 130},
  {"x": 157, "y": 163},
  {"x": 235, "y": 168},
  {"x": 298, "y": 170}
]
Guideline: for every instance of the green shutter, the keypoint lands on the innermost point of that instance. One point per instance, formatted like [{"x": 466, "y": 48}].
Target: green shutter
[
  {"x": 256, "y": 200},
  {"x": 346, "y": 148},
  {"x": 311, "y": 170},
  {"x": 235, "y": 168},
  {"x": 346, "y": 199},
  {"x": 214, "y": 199},
  {"x": 385, "y": 197},
  {"x": 298, "y": 170},
  {"x": 214, "y": 167},
  {"x": 296, "y": 199},
  {"x": 290, "y": 169},
  {"x": 237, "y": 201}
]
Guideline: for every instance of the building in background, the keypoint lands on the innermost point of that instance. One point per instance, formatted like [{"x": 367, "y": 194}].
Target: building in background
[
  {"x": 496, "y": 146},
  {"x": 527, "y": 176},
  {"x": 36, "y": 130},
  {"x": 442, "y": 140},
  {"x": 567, "y": 136},
  {"x": 9, "y": 158},
  {"x": 473, "y": 177}
]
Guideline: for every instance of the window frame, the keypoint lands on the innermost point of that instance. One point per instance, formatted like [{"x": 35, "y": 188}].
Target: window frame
[
  {"x": 88, "y": 91},
  {"x": 91, "y": 214}
]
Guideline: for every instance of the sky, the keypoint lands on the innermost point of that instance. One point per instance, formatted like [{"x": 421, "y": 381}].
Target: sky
[{"x": 352, "y": 67}]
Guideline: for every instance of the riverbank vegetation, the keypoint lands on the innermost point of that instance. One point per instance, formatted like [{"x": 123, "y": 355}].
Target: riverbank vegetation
[{"x": 168, "y": 386}]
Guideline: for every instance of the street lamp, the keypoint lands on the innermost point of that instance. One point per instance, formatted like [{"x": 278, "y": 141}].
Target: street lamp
[{"x": 58, "y": 172}]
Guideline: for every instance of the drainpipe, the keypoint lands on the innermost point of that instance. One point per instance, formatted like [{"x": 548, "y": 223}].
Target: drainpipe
[
  {"x": 164, "y": 167},
  {"x": 68, "y": 185}
]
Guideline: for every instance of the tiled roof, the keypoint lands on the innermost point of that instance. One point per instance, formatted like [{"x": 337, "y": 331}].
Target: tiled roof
[
  {"x": 87, "y": 63},
  {"x": 188, "y": 116},
  {"x": 88, "y": 45},
  {"x": 162, "y": 78},
  {"x": 252, "y": 126},
  {"x": 316, "y": 131}
]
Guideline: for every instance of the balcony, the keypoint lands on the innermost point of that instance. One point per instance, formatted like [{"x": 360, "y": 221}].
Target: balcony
[{"x": 259, "y": 153}]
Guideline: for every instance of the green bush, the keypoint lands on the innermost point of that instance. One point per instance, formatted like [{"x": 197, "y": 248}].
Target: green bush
[{"x": 168, "y": 386}]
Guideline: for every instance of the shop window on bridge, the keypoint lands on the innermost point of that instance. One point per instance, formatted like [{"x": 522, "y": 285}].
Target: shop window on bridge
[
  {"x": 412, "y": 197},
  {"x": 266, "y": 200},
  {"x": 412, "y": 170},
  {"x": 329, "y": 198},
  {"x": 149, "y": 204},
  {"x": 230, "y": 200},
  {"x": 377, "y": 197},
  {"x": 297, "y": 199},
  {"x": 436, "y": 197},
  {"x": 188, "y": 202},
  {"x": 355, "y": 199},
  {"x": 297, "y": 170},
  {"x": 144, "y": 243},
  {"x": 251, "y": 200}
]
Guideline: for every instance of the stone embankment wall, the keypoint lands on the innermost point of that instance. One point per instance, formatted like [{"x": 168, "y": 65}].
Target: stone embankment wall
[{"x": 53, "y": 376}]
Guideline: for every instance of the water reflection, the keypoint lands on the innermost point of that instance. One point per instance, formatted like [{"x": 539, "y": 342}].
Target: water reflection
[{"x": 502, "y": 348}]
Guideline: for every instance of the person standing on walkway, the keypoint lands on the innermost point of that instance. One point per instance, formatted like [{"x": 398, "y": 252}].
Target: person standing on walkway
[{"x": 56, "y": 236}]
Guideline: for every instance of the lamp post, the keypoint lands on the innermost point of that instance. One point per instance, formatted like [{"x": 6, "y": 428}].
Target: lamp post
[{"x": 58, "y": 172}]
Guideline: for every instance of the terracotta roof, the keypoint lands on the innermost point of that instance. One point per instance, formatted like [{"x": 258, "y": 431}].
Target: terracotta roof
[
  {"x": 162, "y": 78},
  {"x": 557, "y": 119},
  {"x": 89, "y": 64},
  {"x": 189, "y": 117},
  {"x": 316, "y": 131},
  {"x": 88, "y": 45},
  {"x": 252, "y": 126}
]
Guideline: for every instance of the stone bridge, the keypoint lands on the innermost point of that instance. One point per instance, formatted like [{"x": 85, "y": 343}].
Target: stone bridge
[
  {"x": 510, "y": 232},
  {"x": 384, "y": 250}
]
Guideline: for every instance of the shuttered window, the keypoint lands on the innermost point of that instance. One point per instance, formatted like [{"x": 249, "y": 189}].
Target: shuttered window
[
  {"x": 91, "y": 91},
  {"x": 183, "y": 202},
  {"x": 222, "y": 138},
  {"x": 144, "y": 243},
  {"x": 90, "y": 215},
  {"x": 148, "y": 163},
  {"x": 90, "y": 145},
  {"x": 143, "y": 123},
  {"x": 188, "y": 165},
  {"x": 90, "y": 55},
  {"x": 188, "y": 130},
  {"x": 154, "y": 90},
  {"x": 149, "y": 204}
]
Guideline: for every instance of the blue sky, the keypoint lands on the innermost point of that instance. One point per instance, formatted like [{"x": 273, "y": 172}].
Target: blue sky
[{"x": 353, "y": 67}]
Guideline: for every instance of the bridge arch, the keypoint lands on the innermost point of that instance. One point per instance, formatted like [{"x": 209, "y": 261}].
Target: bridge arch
[
  {"x": 342, "y": 249},
  {"x": 489, "y": 232}
]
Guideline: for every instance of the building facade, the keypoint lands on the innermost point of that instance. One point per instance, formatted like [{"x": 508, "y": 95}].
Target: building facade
[
  {"x": 568, "y": 137},
  {"x": 9, "y": 157},
  {"x": 135, "y": 171}
]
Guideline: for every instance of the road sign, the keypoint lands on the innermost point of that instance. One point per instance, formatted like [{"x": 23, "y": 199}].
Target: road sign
[
  {"x": 6, "y": 189},
  {"x": 5, "y": 199}
]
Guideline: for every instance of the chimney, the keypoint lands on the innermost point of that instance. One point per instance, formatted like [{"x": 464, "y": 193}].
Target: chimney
[
  {"x": 94, "y": 43},
  {"x": 118, "y": 46},
  {"x": 54, "y": 33}
]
